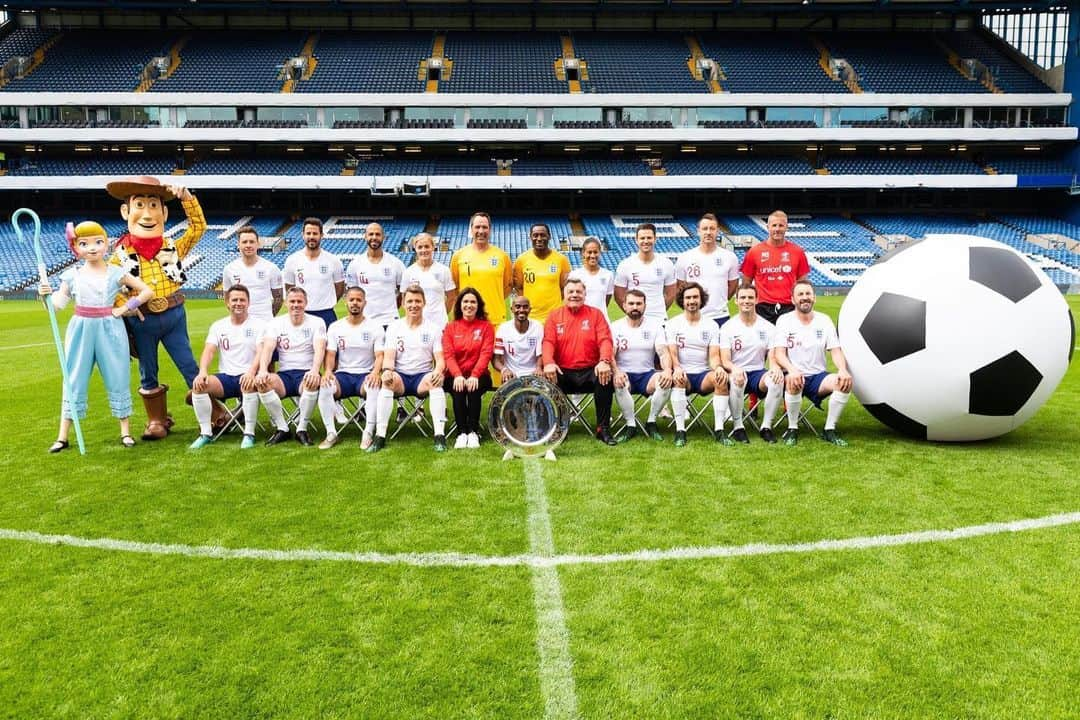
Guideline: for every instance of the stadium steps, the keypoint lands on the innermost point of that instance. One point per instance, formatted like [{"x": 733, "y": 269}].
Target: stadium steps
[
  {"x": 568, "y": 54},
  {"x": 36, "y": 58},
  {"x": 822, "y": 171},
  {"x": 431, "y": 227},
  {"x": 991, "y": 170},
  {"x": 577, "y": 225},
  {"x": 179, "y": 171},
  {"x": 307, "y": 52},
  {"x": 348, "y": 171},
  {"x": 987, "y": 81},
  {"x": 825, "y": 63},
  {"x": 174, "y": 62},
  {"x": 696, "y": 54},
  {"x": 658, "y": 171},
  {"x": 503, "y": 170},
  {"x": 438, "y": 50}
]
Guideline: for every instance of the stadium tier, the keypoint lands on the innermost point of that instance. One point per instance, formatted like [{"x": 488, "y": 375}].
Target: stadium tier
[
  {"x": 370, "y": 61},
  {"x": 635, "y": 63},
  {"x": 738, "y": 166},
  {"x": 231, "y": 62},
  {"x": 783, "y": 62},
  {"x": 900, "y": 165},
  {"x": 502, "y": 62},
  {"x": 265, "y": 166},
  {"x": 93, "y": 60},
  {"x": 839, "y": 249},
  {"x": 365, "y": 62}
]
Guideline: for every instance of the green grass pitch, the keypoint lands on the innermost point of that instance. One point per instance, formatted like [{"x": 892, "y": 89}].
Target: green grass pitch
[{"x": 984, "y": 627}]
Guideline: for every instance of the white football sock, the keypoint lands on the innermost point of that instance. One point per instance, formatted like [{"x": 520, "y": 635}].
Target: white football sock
[
  {"x": 626, "y": 406},
  {"x": 774, "y": 393},
  {"x": 837, "y": 401},
  {"x": 386, "y": 405},
  {"x": 328, "y": 409},
  {"x": 736, "y": 397},
  {"x": 719, "y": 411},
  {"x": 308, "y": 400},
  {"x": 272, "y": 403},
  {"x": 204, "y": 409},
  {"x": 794, "y": 405},
  {"x": 371, "y": 409},
  {"x": 437, "y": 405},
  {"x": 657, "y": 402},
  {"x": 678, "y": 405},
  {"x": 251, "y": 412}
]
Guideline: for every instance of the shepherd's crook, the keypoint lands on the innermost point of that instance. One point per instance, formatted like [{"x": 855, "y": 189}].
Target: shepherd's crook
[{"x": 44, "y": 275}]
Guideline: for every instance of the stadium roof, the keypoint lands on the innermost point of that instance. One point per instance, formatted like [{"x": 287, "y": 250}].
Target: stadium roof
[{"x": 631, "y": 6}]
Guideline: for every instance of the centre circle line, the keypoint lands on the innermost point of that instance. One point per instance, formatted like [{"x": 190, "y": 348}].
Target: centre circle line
[{"x": 452, "y": 559}]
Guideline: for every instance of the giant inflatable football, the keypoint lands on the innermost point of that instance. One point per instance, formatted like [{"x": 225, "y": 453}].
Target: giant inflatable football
[{"x": 955, "y": 338}]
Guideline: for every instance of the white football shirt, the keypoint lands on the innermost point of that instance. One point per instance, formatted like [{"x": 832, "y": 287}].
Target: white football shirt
[
  {"x": 520, "y": 349},
  {"x": 649, "y": 277},
  {"x": 692, "y": 341},
  {"x": 260, "y": 279},
  {"x": 317, "y": 276},
  {"x": 380, "y": 282},
  {"x": 597, "y": 287},
  {"x": 806, "y": 344},
  {"x": 355, "y": 345},
  {"x": 414, "y": 348},
  {"x": 237, "y": 344},
  {"x": 636, "y": 348},
  {"x": 712, "y": 271},
  {"x": 295, "y": 344},
  {"x": 435, "y": 281},
  {"x": 748, "y": 344}
]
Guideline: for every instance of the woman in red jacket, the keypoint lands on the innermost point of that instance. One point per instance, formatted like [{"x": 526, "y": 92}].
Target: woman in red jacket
[{"x": 468, "y": 344}]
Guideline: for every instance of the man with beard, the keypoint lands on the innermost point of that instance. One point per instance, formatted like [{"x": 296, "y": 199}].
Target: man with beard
[
  {"x": 640, "y": 343},
  {"x": 693, "y": 342},
  {"x": 353, "y": 359},
  {"x": 800, "y": 342},
  {"x": 379, "y": 274},
  {"x": 317, "y": 272}
]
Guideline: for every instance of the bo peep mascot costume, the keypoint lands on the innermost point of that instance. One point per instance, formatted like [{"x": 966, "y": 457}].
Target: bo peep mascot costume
[{"x": 96, "y": 334}]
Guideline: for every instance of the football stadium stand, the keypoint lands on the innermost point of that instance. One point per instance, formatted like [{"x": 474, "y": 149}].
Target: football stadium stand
[
  {"x": 634, "y": 62},
  {"x": 94, "y": 60},
  {"x": 232, "y": 62},
  {"x": 502, "y": 62},
  {"x": 768, "y": 62},
  {"x": 368, "y": 61}
]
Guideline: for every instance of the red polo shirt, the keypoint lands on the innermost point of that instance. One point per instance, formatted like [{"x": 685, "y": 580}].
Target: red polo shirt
[
  {"x": 576, "y": 339},
  {"x": 774, "y": 270}
]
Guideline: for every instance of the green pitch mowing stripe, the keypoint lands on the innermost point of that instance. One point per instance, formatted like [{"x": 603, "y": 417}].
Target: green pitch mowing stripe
[
  {"x": 978, "y": 629},
  {"x": 86, "y": 635}
]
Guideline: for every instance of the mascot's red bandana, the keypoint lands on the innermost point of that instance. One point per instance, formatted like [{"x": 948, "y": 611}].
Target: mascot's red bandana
[{"x": 146, "y": 247}]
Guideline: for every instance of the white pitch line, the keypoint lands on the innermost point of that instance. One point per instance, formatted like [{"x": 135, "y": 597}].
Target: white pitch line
[
  {"x": 552, "y": 636},
  {"x": 21, "y": 347},
  {"x": 450, "y": 559}
]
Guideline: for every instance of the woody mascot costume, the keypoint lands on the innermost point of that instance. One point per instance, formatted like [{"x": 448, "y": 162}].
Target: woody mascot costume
[{"x": 145, "y": 252}]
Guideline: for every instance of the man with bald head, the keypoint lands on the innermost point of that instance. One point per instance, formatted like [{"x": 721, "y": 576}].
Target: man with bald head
[
  {"x": 774, "y": 266},
  {"x": 379, "y": 275}
]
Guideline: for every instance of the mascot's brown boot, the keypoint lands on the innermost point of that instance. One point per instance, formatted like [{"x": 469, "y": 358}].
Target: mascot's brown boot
[{"x": 157, "y": 418}]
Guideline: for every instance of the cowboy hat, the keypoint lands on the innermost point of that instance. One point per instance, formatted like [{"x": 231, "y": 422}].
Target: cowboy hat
[{"x": 141, "y": 185}]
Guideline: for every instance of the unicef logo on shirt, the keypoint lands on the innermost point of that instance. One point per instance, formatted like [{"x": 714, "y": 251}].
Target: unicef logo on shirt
[{"x": 786, "y": 268}]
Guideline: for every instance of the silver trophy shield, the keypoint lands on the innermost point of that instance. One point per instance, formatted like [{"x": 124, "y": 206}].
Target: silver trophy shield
[{"x": 529, "y": 416}]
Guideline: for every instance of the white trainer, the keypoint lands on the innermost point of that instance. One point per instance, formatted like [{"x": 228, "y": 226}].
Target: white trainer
[
  {"x": 462, "y": 442},
  {"x": 472, "y": 441}
]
